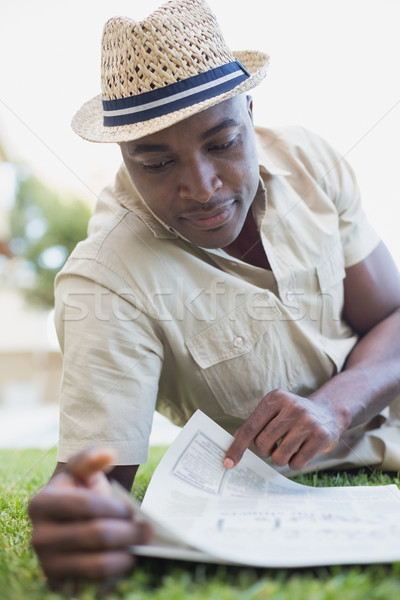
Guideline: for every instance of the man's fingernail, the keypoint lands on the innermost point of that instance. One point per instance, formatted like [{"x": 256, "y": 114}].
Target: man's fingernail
[{"x": 228, "y": 463}]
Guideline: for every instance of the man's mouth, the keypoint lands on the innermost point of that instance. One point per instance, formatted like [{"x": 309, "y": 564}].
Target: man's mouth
[{"x": 210, "y": 219}]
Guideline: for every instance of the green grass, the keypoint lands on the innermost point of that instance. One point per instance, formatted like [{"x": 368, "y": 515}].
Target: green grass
[{"x": 22, "y": 472}]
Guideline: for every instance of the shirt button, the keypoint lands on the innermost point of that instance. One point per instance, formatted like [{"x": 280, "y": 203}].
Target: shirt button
[
  {"x": 238, "y": 342},
  {"x": 233, "y": 264}
]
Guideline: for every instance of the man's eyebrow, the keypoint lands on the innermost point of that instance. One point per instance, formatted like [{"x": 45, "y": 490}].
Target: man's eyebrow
[
  {"x": 143, "y": 148},
  {"x": 221, "y": 126},
  {"x": 147, "y": 148}
]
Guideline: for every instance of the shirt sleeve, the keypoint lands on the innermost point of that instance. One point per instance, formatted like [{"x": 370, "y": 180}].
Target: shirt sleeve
[{"x": 112, "y": 364}]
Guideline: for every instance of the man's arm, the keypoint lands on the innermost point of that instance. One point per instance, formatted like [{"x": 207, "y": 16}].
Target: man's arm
[
  {"x": 293, "y": 430},
  {"x": 371, "y": 378},
  {"x": 80, "y": 528}
]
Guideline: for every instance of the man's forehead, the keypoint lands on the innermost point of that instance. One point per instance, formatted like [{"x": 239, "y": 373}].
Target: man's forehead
[{"x": 203, "y": 124}]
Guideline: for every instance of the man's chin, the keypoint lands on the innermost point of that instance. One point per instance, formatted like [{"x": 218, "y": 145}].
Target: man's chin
[{"x": 216, "y": 241}]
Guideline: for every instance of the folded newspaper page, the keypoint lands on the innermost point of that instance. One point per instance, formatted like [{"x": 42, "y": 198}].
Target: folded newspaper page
[{"x": 252, "y": 515}]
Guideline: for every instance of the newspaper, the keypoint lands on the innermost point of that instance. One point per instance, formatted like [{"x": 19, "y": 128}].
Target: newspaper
[{"x": 252, "y": 515}]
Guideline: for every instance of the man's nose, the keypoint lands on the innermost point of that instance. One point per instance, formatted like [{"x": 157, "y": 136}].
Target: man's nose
[{"x": 198, "y": 181}]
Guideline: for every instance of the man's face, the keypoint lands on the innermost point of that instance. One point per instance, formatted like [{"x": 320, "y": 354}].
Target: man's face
[{"x": 201, "y": 175}]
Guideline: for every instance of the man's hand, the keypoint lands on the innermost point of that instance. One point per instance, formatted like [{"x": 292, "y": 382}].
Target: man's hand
[
  {"x": 289, "y": 428},
  {"x": 81, "y": 530}
]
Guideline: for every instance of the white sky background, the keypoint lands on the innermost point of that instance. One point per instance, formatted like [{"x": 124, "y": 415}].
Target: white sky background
[{"x": 334, "y": 69}]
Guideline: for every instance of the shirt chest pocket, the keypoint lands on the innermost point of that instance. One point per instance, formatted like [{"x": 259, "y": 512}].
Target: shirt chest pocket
[{"x": 243, "y": 356}]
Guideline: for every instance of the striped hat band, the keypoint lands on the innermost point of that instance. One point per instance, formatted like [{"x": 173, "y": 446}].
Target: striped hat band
[{"x": 161, "y": 101}]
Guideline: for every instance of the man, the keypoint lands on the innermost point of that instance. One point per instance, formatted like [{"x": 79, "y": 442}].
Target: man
[{"x": 226, "y": 269}]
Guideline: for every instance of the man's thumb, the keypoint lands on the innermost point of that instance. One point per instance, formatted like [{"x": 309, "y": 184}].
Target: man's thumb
[{"x": 89, "y": 462}]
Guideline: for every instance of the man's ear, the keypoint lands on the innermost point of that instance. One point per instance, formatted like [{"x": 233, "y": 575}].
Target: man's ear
[{"x": 249, "y": 101}]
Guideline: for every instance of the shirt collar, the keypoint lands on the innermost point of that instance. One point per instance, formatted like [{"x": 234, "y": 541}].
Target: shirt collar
[
  {"x": 270, "y": 168},
  {"x": 268, "y": 154},
  {"x": 129, "y": 197}
]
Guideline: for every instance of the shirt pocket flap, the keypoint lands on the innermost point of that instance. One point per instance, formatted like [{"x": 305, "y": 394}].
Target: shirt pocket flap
[{"x": 233, "y": 335}]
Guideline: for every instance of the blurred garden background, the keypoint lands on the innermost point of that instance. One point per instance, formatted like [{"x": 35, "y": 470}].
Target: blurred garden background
[{"x": 334, "y": 69}]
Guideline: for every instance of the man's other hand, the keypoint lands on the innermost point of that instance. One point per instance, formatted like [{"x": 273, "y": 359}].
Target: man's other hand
[{"x": 81, "y": 530}]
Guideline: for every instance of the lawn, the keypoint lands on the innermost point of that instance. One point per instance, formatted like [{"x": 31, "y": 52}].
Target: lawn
[{"x": 22, "y": 472}]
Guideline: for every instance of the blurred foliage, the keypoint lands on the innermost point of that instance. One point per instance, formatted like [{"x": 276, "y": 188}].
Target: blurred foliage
[{"x": 45, "y": 228}]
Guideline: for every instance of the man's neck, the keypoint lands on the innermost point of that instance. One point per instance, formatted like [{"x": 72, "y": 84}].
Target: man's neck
[{"x": 248, "y": 246}]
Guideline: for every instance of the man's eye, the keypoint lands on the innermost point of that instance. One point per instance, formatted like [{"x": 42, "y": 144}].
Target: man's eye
[
  {"x": 156, "y": 166},
  {"x": 226, "y": 146}
]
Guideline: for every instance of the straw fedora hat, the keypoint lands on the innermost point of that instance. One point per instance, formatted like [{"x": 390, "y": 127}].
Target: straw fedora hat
[{"x": 163, "y": 69}]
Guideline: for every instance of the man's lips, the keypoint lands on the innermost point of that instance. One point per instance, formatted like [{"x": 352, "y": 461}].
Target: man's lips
[{"x": 211, "y": 218}]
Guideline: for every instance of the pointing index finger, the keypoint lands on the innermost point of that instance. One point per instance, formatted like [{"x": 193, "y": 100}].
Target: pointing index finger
[{"x": 243, "y": 438}]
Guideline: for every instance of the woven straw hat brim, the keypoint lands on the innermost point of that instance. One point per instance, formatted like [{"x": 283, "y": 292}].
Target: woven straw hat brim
[{"x": 88, "y": 121}]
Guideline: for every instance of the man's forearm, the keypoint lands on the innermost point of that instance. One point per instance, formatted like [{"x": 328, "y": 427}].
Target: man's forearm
[{"x": 371, "y": 377}]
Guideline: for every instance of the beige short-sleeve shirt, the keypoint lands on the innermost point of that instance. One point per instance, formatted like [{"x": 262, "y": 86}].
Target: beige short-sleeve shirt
[{"x": 146, "y": 320}]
